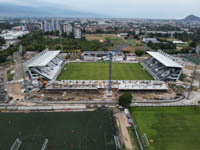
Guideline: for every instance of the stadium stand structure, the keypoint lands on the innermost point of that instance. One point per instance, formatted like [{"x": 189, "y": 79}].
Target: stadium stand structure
[
  {"x": 46, "y": 64},
  {"x": 162, "y": 66},
  {"x": 101, "y": 56},
  {"x": 120, "y": 85}
]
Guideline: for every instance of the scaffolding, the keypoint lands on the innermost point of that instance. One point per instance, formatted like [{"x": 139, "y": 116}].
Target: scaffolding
[{"x": 3, "y": 93}]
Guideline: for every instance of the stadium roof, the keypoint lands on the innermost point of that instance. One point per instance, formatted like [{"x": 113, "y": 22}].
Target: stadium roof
[
  {"x": 43, "y": 58},
  {"x": 164, "y": 59}
]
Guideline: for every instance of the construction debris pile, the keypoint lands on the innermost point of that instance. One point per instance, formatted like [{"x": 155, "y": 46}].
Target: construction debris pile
[{"x": 3, "y": 93}]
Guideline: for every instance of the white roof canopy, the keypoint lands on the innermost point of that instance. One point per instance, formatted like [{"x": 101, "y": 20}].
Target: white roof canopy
[
  {"x": 43, "y": 58},
  {"x": 165, "y": 60}
]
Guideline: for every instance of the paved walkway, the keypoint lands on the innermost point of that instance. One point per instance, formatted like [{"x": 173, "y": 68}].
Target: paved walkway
[{"x": 125, "y": 134}]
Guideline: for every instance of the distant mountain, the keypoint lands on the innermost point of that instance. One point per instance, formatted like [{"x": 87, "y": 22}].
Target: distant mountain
[
  {"x": 192, "y": 18},
  {"x": 41, "y": 11}
]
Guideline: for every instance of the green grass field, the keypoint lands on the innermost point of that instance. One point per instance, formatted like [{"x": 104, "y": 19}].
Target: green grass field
[
  {"x": 99, "y": 71},
  {"x": 169, "y": 128},
  {"x": 193, "y": 59},
  {"x": 64, "y": 131}
]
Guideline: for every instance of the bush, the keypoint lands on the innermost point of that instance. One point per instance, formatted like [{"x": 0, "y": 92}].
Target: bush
[
  {"x": 125, "y": 99},
  {"x": 2, "y": 59},
  {"x": 139, "y": 52}
]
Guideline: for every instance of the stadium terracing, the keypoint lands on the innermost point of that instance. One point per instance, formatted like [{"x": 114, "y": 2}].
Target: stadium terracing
[
  {"x": 46, "y": 64},
  {"x": 121, "y": 85},
  {"x": 162, "y": 66}
]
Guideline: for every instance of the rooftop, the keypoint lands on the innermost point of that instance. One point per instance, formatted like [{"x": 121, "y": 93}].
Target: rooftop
[
  {"x": 165, "y": 59},
  {"x": 95, "y": 52},
  {"x": 42, "y": 59}
]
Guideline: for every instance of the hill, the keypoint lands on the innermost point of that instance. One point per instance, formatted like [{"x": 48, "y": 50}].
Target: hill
[
  {"x": 13, "y": 10},
  {"x": 192, "y": 18}
]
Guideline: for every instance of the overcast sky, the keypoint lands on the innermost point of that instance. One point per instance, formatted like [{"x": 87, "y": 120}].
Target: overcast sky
[{"x": 122, "y": 8}]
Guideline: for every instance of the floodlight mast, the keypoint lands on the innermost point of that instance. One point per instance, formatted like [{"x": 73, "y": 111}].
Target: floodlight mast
[
  {"x": 110, "y": 72},
  {"x": 61, "y": 41},
  {"x": 110, "y": 56},
  {"x": 26, "y": 92}
]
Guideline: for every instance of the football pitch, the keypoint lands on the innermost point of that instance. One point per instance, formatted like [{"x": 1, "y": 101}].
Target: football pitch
[
  {"x": 64, "y": 130},
  {"x": 169, "y": 128},
  {"x": 99, "y": 71}
]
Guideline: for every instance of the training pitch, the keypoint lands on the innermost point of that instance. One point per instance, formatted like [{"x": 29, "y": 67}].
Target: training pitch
[
  {"x": 64, "y": 131},
  {"x": 99, "y": 71},
  {"x": 169, "y": 128}
]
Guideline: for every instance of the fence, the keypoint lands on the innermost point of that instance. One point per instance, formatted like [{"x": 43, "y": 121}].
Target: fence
[
  {"x": 134, "y": 126},
  {"x": 163, "y": 105}
]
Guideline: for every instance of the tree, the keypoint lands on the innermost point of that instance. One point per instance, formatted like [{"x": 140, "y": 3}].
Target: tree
[
  {"x": 2, "y": 59},
  {"x": 139, "y": 52},
  {"x": 125, "y": 100},
  {"x": 2, "y": 41},
  {"x": 193, "y": 44},
  {"x": 150, "y": 44}
]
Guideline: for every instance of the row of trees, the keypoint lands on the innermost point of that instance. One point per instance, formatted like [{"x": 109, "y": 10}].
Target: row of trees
[
  {"x": 7, "y": 25},
  {"x": 38, "y": 41},
  {"x": 4, "y": 54},
  {"x": 161, "y": 45},
  {"x": 2, "y": 41}
]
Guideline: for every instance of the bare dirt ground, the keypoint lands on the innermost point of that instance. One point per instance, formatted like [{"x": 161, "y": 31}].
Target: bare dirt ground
[
  {"x": 72, "y": 95},
  {"x": 99, "y": 36},
  {"x": 14, "y": 90},
  {"x": 125, "y": 134}
]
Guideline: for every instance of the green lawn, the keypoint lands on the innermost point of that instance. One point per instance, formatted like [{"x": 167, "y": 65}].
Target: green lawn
[
  {"x": 64, "y": 131},
  {"x": 169, "y": 128},
  {"x": 193, "y": 59},
  {"x": 99, "y": 71}
]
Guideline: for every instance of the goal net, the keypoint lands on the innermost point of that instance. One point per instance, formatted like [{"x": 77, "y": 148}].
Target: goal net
[
  {"x": 145, "y": 140},
  {"x": 16, "y": 144}
]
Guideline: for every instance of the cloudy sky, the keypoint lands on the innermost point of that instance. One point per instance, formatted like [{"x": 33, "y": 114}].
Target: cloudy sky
[{"x": 121, "y": 8}]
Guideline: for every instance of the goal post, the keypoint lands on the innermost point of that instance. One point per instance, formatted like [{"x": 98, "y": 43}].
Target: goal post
[
  {"x": 145, "y": 140},
  {"x": 16, "y": 144},
  {"x": 45, "y": 144}
]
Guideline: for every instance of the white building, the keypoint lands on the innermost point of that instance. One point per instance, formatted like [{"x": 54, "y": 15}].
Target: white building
[
  {"x": 77, "y": 33},
  {"x": 122, "y": 34},
  {"x": 153, "y": 40},
  {"x": 131, "y": 57},
  {"x": 13, "y": 35},
  {"x": 137, "y": 32},
  {"x": 67, "y": 28},
  {"x": 179, "y": 42},
  {"x": 101, "y": 56}
]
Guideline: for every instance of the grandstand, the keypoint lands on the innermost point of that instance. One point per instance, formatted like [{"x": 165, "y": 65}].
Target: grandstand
[
  {"x": 94, "y": 56},
  {"x": 162, "y": 66},
  {"x": 46, "y": 64},
  {"x": 94, "y": 85}
]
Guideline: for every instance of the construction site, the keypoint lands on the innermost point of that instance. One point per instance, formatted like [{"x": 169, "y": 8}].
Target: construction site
[
  {"x": 47, "y": 82},
  {"x": 36, "y": 77}
]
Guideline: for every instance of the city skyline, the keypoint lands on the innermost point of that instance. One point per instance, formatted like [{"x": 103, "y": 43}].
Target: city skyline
[{"x": 171, "y": 9}]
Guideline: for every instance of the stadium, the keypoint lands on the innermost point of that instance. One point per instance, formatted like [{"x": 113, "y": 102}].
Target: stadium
[
  {"x": 91, "y": 74},
  {"x": 163, "y": 66}
]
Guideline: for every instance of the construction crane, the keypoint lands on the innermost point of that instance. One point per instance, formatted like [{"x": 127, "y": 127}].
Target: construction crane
[
  {"x": 194, "y": 72},
  {"x": 25, "y": 83},
  {"x": 110, "y": 56}
]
